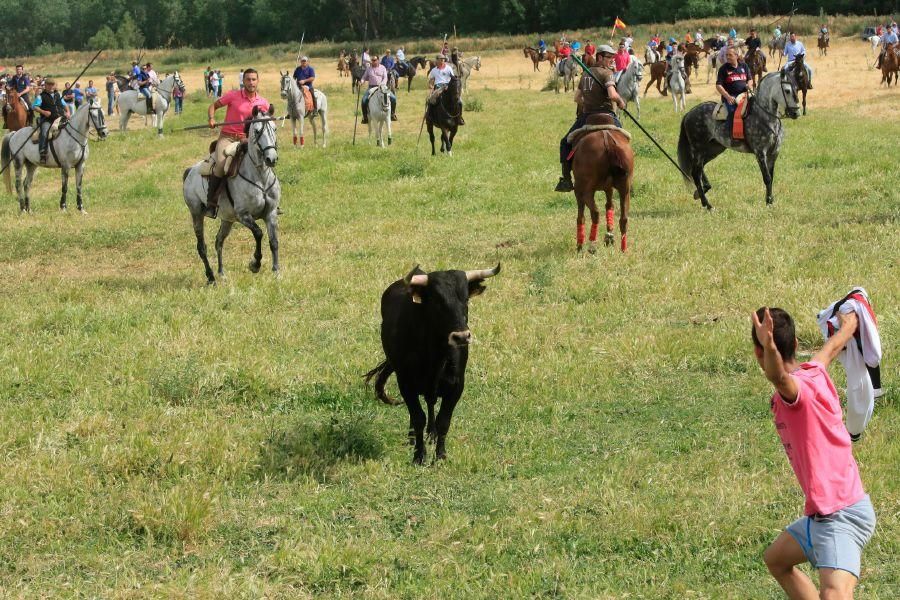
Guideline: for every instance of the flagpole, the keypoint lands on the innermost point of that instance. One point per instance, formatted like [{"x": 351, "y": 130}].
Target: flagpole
[{"x": 613, "y": 32}]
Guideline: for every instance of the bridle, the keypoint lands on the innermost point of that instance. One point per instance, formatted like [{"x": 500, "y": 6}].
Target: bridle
[
  {"x": 265, "y": 125},
  {"x": 99, "y": 124}
]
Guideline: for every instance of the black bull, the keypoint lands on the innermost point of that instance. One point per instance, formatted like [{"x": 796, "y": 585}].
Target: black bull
[{"x": 425, "y": 335}]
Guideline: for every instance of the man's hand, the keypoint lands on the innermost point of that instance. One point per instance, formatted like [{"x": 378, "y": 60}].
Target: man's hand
[
  {"x": 212, "y": 123},
  {"x": 731, "y": 100},
  {"x": 848, "y": 322},
  {"x": 765, "y": 329},
  {"x": 620, "y": 102}
]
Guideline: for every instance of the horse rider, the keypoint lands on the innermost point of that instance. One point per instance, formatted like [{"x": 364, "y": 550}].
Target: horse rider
[
  {"x": 143, "y": 83},
  {"x": 240, "y": 105},
  {"x": 154, "y": 78},
  {"x": 733, "y": 80},
  {"x": 823, "y": 30},
  {"x": 591, "y": 99},
  {"x": 305, "y": 76},
  {"x": 387, "y": 60},
  {"x": 753, "y": 42},
  {"x": 21, "y": 82},
  {"x": 629, "y": 41},
  {"x": 776, "y": 33},
  {"x": 375, "y": 76},
  {"x": 621, "y": 59},
  {"x": 365, "y": 56},
  {"x": 438, "y": 80},
  {"x": 698, "y": 37},
  {"x": 589, "y": 49},
  {"x": 401, "y": 60},
  {"x": 792, "y": 49},
  {"x": 542, "y": 47},
  {"x": 49, "y": 105},
  {"x": 732, "y": 34},
  {"x": 888, "y": 40}
]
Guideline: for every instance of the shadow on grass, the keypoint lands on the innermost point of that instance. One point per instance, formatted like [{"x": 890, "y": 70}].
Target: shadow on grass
[{"x": 314, "y": 449}]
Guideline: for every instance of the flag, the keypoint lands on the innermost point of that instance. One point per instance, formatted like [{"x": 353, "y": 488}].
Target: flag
[{"x": 619, "y": 24}]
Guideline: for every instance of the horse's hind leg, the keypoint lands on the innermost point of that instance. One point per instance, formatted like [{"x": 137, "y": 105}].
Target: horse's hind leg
[
  {"x": 579, "y": 222},
  {"x": 609, "y": 238},
  {"x": 29, "y": 177},
  {"x": 224, "y": 230},
  {"x": 431, "y": 137},
  {"x": 65, "y": 188},
  {"x": 19, "y": 192},
  {"x": 197, "y": 219},
  {"x": 248, "y": 222},
  {"x": 624, "y": 206}
]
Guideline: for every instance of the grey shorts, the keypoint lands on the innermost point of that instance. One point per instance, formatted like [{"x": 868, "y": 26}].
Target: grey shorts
[{"x": 836, "y": 541}]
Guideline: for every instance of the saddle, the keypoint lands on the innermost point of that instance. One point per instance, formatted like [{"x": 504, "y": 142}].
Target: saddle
[
  {"x": 720, "y": 113},
  {"x": 234, "y": 155},
  {"x": 52, "y": 134},
  {"x": 593, "y": 123}
]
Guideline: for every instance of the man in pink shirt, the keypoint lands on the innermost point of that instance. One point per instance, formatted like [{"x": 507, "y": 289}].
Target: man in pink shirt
[
  {"x": 240, "y": 105},
  {"x": 622, "y": 59},
  {"x": 839, "y": 519},
  {"x": 375, "y": 76}
]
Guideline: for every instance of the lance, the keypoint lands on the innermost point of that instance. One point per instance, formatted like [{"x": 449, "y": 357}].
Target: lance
[
  {"x": 195, "y": 127},
  {"x": 641, "y": 127},
  {"x": 790, "y": 16},
  {"x": 300, "y": 51},
  {"x": 28, "y": 138}
]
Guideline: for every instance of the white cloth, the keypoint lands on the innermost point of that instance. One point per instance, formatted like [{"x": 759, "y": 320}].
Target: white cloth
[
  {"x": 441, "y": 76},
  {"x": 861, "y": 357},
  {"x": 365, "y": 58}
]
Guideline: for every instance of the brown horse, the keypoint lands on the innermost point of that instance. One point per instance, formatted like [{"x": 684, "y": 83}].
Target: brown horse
[
  {"x": 890, "y": 66},
  {"x": 801, "y": 78},
  {"x": 535, "y": 56},
  {"x": 343, "y": 65},
  {"x": 603, "y": 160},
  {"x": 824, "y": 38},
  {"x": 658, "y": 75},
  {"x": 15, "y": 114},
  {"x": 756, "y": 62}
]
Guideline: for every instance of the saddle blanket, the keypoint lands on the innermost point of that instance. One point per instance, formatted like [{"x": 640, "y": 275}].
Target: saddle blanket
[
  {"x": 737, "y": 128},
  {"x": 576, "y": 135},
  {"x": 308, "y": 97}
]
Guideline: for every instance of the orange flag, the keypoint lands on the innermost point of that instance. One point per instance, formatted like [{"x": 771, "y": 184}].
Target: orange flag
[{"x": 619, "y": 24}]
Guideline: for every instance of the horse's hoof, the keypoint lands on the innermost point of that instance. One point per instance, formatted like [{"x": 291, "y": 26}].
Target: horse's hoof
[
  {"x": 82, "y": 211},
  {"x": 210, "y": 282},
  {"x": 579, "y": 248},
  {"x": 608, "y": 239},
  {"x": 592, "y": 249},
  {"x": 254, "y": 266}
]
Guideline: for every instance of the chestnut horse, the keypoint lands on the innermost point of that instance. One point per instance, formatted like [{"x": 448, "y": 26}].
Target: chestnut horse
[
  {"x": 535, "y": 56},
  {"x": 658, "y": 75},
  {"x": 15, "y": 114},
  {"x": 603, "y": 160}
]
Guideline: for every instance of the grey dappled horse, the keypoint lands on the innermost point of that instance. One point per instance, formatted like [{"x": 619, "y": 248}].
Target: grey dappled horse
[
  {"x": 133, "y": 102},
  {"x": 677, "y": 82},
  {"x": 251, "y": 195},
  {"x": 466, "y": 66},
  {"x": 296, "y": 110},
  {"x": 567, "y": 69},
  {"x": 629, "y": 84},
  {"x": 380, "y": 114},
  {"x": 69, "y": 150},
  {"x": 703, "y": 138}
]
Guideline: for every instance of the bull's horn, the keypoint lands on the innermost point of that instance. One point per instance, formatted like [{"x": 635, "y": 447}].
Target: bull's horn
[
  {"x": 482, "y": 273},
  {"x": 413, "y": 279}
]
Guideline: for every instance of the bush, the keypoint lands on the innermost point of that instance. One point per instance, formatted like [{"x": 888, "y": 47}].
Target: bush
[
  {"x": 473, "y": 105},
  {"x": 48, "y": 48}
]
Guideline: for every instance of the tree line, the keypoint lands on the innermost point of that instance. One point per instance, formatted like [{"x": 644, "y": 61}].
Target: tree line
[{"x": 46, "y": 26}]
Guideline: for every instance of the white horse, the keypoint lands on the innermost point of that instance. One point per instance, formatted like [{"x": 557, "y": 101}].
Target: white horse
[
  {"x": 651, "y": 55},
  {"x": 567, "y": 69},
  {"x": 296, "y": 110},
  {"x": 250, "y": 196},
  {"x": 676, "y": 81},
  {"x": 629, "y": 84},
  {"x": 380, "y": 114},
  {"x": 133, "y": 102},
  {"x": 465, "y": 68},
  {"x": 875, "y": 41},
  {"x": 69, "y": 150}
]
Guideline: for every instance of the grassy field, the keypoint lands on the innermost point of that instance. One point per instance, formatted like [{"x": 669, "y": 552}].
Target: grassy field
[{"x": 159, "y": 438}]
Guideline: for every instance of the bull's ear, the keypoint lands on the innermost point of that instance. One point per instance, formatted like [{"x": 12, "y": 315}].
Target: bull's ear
[{"x": 476, "y": 288}]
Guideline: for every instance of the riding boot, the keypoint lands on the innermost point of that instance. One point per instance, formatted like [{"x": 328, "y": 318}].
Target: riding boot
[
  {"x": 44, "y": 157},
  {"x": 393, "y": 109},
  {"x": 365, "y": 111},
  {"x": 565, "y": 182},
  {"x": 212, "y": 196},
  {"x": 149, "y": 105}
]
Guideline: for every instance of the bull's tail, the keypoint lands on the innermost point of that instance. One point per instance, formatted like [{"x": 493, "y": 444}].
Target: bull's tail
[
  {"x": 5, "y": 159},
  {"x": 685, "y": 155},
  {"x": 381, "y": 373}
]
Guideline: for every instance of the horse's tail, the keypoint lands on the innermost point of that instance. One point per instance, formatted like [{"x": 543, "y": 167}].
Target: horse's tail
[
  {"x": 381, "y": 373},
  {"x": 5, "y": 159},
  {"x": 684, "y": 152},
  {"x": 620, "y": 164}
]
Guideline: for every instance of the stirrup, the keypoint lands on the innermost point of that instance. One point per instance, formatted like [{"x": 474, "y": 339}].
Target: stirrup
[{"x": 564, "y": 185}]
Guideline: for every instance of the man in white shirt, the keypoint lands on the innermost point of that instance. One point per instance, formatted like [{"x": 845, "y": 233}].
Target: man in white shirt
[{"x": 792, "y": 49}]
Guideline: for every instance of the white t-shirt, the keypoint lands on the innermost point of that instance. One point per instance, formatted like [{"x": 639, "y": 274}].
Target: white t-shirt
[
  {"x": 365, "y": 58},
  {"x": 213, "y": 78},
  {"x": 441, "y": 76},
  {"x": 401, "y": 56}
]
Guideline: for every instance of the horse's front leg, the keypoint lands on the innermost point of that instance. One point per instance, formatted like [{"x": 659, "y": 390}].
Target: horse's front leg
[
  {"x": 79, "y": 175},
  {"x": 160, "y": 116},
  {"x": 762, "y": 160},
  {"x": 272, "y": 228},
  {"x": 29, "y": 177},
  {"x": 302, "y": 120},
  {"x": 19, "y": 192},
  {"x": 390, "y": 133},
  {"x": 224, "y": 230},
  {"x": 431, "y": 137},
  {"x": 247, "y": 221},
  {"x": 65, "y": 187}
]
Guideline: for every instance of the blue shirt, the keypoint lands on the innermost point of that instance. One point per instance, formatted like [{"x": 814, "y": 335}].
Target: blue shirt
[
  {"x": 20, "y": 83},
  {"x": 889, "y": 38},
  {"x": 304, "y": 73},
  {"x": 388, "y": 62},
  {"x": 793, "y": 49},
  {"x": 79, "y": 96},
  {"x": 135, "y": 70},
  {"x": 90, "y": 91}
]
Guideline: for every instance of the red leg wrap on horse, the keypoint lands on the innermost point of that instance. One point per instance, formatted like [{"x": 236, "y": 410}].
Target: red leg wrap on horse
[
  {"x": 579, "y": 236},
  {"x": 594, "y": 232},
  {"x": 624, "y": 242},
  {"x": 610, "y": 216},
  {"x": 302, "y": 140}
]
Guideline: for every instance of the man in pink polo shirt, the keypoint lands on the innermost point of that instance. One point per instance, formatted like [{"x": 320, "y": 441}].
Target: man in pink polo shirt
[
  {"x": 838, "y": 516},
  {"x": 240, "y": 105}
]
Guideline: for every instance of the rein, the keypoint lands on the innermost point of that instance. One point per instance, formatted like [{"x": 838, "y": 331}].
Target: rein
[{"x": 261, "y": 167}]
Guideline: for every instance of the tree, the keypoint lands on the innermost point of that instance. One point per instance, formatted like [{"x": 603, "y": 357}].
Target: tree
[{"x": 128, "y": 34}]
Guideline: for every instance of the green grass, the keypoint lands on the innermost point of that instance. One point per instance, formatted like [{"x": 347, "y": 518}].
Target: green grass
[{"x": 161, "y": 438}]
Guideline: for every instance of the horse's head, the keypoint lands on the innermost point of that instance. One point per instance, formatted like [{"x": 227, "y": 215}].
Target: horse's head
[
  {"x": 477, "y": 64},
  {"x": 638, "y": 68},
  {"x": 95, "y": 112},
  {"x": 262, "y": 137},
  {"x": 787, "y": 101},
  {"x": 179, "y": 82},
  {"x": 285, "y": 82}
]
